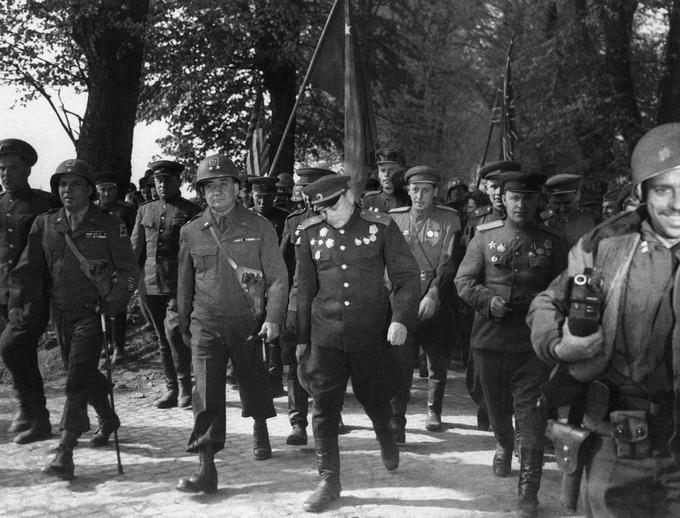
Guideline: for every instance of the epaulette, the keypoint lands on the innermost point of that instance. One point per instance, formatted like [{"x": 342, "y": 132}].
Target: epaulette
[
  {"x": 481, "y": 211},
  {"x": 376, "y": 217},
  {"x": 546, "y": 214},
  {"x": 491, "y": 224},
  {"x": 370, "y": 193},
  {"x": 399, "y": 209},
  {"x": 447, "y": 208},
  {"x": 620, "y": 224},
  {"x": 296, "y": 212},
  {"x": 310, "y": 222}
]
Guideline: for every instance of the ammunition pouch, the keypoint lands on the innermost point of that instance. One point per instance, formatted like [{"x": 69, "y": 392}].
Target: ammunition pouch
[
  {"x": 568, "y": 440},
  {"x": 630, "y": 431}
]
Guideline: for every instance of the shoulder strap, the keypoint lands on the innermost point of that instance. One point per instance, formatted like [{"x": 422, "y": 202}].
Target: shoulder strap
[
  {"x": 81, "y": 258},
  {"x": 231, "y": 261}
]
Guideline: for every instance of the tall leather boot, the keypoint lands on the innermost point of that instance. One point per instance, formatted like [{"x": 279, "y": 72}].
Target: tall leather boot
[
  {"x": 328, "y": 461},
  {"x": 262, "y": 450},
  {"x": 184, "y": 399},
  {"x": 108, "y": 420},
  {"x": 205, "y": 479},
  {"x": 297, "y": 411},
  {"x": 39, "y": 428},
  {"x": 389, "y": 450},
  {"x": 169, "y": 399},
  {"x": 435, "y": 398},
  {"x": 531, "y": 467},
  {"x": 62, "y": 464},
  {"x": 22, "y": 419}
]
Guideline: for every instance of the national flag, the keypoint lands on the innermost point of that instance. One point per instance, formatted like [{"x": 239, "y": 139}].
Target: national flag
[
  {"x": 257, "y": 160},
  {"x": 507, "y": 120}
]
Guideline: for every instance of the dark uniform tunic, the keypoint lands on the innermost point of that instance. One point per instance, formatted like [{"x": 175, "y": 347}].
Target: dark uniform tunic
[
  {"x": 343, "y": 310},
  {"x": 124, "y": 211},
  {"x": 480, "y": 216},
  {"x": 570, "y": 228},
  {"x": 155, "y": 240},
  {"x": 277, "y": 217},
  {"x": 19, "y": 343},
  {"x": 214, "y": 312},
  {"x": 380, "y": 201},
  {"x": 514, "y": 263},
  {"x": 48, "y": 269},
  {"x": 434, "y": 240}
]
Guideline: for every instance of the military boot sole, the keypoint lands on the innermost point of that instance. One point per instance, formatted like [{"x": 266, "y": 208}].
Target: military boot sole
[
  {"x": 433, "y": 424},
  {"x": 322, "y": 497},
  {"x": 262, "y": 452}
]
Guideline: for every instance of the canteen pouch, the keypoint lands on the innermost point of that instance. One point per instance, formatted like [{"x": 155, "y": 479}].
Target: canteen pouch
[
  {"x": 631, "y": 434},
  {"x": 254, "y": 288}
]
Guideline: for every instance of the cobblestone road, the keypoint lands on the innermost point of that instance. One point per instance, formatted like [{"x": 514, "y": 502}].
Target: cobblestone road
[{"x": 443, "y": 474}]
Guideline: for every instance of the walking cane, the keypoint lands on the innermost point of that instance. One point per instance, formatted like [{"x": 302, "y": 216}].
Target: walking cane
[{"x": 110, "y": 382}]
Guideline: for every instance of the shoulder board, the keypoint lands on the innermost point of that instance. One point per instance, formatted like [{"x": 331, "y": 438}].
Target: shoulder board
[
  {"x": 481, "y": 211},
  {"x": 446, "y": 208},
  {"x": 620, "y": 224},
  {"x": 548, "y": 230},
  {"x": 310, "y": 222},
  {"x": 376, "y": 217},
  {"x": 547, "y": 214},
  {"x": 488, "y": 226},
  {"x": 400, "y": 209},
  {"x": 370, "y": 193}
]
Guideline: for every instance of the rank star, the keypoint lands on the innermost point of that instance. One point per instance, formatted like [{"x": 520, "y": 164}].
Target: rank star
[
  {"x": 329, "y": 243},
  {"x": 492, "y": 245}
]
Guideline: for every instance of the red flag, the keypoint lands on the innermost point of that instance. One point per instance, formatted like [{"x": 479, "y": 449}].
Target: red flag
[
  {"x": 508, "y": 132},
  {"x": 339, "y": 64}
]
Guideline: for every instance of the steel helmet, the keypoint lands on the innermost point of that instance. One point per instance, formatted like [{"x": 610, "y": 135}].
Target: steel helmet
[
  {"x": 75, "y": 167},
  {"x": 216, "y": 166},
  {"x": 657, "y": 152}
]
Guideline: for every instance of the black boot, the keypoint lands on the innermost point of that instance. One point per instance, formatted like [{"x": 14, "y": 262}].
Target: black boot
[
  {"x": 502, "y": 461},
  {"x": 398, "y": 431},
  {"x": 39, "y": 430},
  {"x": 433, "y": 421},
  {"x": 328, "y": 461},
  {"x": 62, "y": 464},
  {"x": 118, "y": 355},
  {"x": 108, "y": 420},
  {"x": 483, "y": 424},
  {"x": 389, "y": 451},
  {"x": 531, "y": 466},
  {"x": 205, "y": 479},
  {"x": 342, "y": 429},
  {"x": 169, "y": 399},
  {"x": 262, "y": 450},
  {"x": 184, "y": 399},
  {"x": 298, "y": 436}
]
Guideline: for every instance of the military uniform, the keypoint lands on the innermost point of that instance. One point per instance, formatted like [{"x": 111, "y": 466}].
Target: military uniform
[
  {"x": 380, "y": 201},
  {"x": 434, "y": 238},
  {"x": 155, "y": 240},
  {"x": 571, "y": 228},
  {"x": 343, "y": 310},
  {"x": 49, "y": 270},
  {"x": 480, "y": 216},
  {"x": 124, "y": 211},
  {"x": 215, "y": 314},
  {"x": 19, "y": 343}
]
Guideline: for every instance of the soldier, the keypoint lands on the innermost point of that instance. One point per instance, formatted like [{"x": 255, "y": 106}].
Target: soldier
[
  {"x": 155, "y": 240},
  {"x": 297, "y": 396},
  {"x": 245, "y": 193},
  {"x": 609, "y": 202},
  {"x": 564, "y": 215},
  {"x": 506, "y": 264},
  {"x": 145, "y": 189},
  {"x": 79, "y": 259},
  {"x": 433, "y": 234},
  {"x": 391, "y": 167},
  {"x": 628, "y": 199},
  {"x": 284, "y": 191},
  {"x": 264, "y": 190},
  {"x": 226, "y": 252},
  {"x": 456, "y": 193},
  {"x": 343, "y": 311},
  {"x": 19, "y": 205},
  {"x": 107, "y": 190},
  {"x": 630, "y": 362}
]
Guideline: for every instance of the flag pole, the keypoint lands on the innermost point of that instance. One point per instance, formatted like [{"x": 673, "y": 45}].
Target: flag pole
[{"x": 303, "y": 86}]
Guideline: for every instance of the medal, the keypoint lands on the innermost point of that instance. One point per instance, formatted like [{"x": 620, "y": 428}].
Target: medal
[
  {"x": 540, "y": 251},
  {"x": 430, "y": 233},
  {"x": 492, "y": 245},
  {"x": 501, "y": 247},
  {"x": 494, "y": 259}
]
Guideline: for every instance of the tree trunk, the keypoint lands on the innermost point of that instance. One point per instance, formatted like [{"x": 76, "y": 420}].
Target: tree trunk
[
  {"x": 111, "y": 34},
  {"x": 279, "y": 80},
  {"x": 669, "y": 91},
  {"x": 617, "y": 19}
]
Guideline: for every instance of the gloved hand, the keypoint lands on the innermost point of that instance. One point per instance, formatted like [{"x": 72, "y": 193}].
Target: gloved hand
[
  {"x": 572, "y": 348},
  {"x": 396, "y": 334},
  {"x": 269, "y": 331},
  {"x": 427, "y": 308}
]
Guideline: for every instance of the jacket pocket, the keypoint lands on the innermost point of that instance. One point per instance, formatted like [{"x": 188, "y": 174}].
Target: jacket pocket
[{"x": 205, "y": 262}]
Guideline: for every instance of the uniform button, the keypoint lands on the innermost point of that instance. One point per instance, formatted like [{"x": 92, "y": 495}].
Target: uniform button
[
  {"x": 9, "y": 262},
  {"x": 342, "y": 230},
  {"x": 516, "y": 270},
  {"x": 517, "y": 252},
  {"x": 161, "y": 231},
  {"x": 10, "y": 230},
  {"x": 11, "y": 245},
  {"x": 346, "y": 285},
  {"x": 343, "y": 247},
  {"x": 347, "y": 303},
  {"x": 162, "y": 218},
  {"x": 343, "y": 266}
]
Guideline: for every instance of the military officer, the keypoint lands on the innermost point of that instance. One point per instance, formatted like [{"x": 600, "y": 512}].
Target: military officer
[
  {"x": 245, "y": 193},
  {"x": 297, "y": 396},
  {"x": 79, "y": 259},
  {"x": 19, "y": 205},
  {"x": 155, "y": 240},
  {"x": 107, "y": 191},
  {"x": 631, "y": 359},
  {"x": 224, "y": 252},
  {"x": 506, "y": 264},
  {"x": 284, "y": 191},
  {"x": 609, "y": 202},
  {"x": 564, "y": 215},
  {"x": 391, "y": 167},
  {"x": 456, "y": 193},
  {"x": 344, "y": 322},
  {"x": 264, "y": 191},
  {"x": 433, "y": 234}
]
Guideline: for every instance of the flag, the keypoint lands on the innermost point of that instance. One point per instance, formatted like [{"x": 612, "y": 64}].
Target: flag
[
  {"x": 339, "y": 71},
  {"x": 507, "y": 119},
  {"x": 257, "y": 160}
]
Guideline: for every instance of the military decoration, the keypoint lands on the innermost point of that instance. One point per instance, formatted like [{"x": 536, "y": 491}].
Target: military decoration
[
  {"x": 644, "y": 247},
  {"x": 357, "y": 241},
  {"x": 494, "y": 259},
  {"x": 329, "y": 243},
  {"x": 323, "y": 232},
  {"x": 373, "y": 230},
  {"x": 501, "y": 247},
  {"x": 317, "y": 255},
  {"x": 492, "y": 245}
]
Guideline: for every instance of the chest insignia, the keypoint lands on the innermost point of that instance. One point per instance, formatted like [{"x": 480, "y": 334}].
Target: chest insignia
[
  {"x": 329, "y": 243},
  {"x": 317, "y": 255},
  {"x": 373, "y": 230},
  {"x": 323, "y": 232},
  {"x": 96, "y": 234},
  {"x": 500, "y": 247},
  {"x": 494, "y": 258},
  {"x": 644, "y": 247},
  {"x": 547, "y": 244},
  {"x": 492, "y": 245}
]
